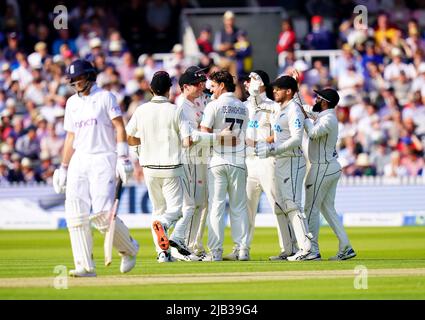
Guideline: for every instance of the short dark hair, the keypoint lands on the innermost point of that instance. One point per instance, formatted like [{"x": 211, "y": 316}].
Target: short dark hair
[
  {"x": 224, "y": 77},
  {"x": 161, "y": 83}
]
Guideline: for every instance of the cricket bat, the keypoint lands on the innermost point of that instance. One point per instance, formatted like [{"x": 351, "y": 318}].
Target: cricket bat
[{"x": 109, "y": 235}]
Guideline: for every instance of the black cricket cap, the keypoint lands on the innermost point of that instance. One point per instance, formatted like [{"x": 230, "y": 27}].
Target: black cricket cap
[
  {"x": 330, "y": 95},
  {"x": 192, "y": 75}
]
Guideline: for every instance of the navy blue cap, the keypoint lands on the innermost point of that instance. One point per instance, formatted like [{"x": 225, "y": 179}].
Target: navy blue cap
[{"x": 78, "y": 68}]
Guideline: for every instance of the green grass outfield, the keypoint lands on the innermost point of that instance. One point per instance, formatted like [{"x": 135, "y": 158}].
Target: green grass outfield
[{"x": 394, "y": 258}]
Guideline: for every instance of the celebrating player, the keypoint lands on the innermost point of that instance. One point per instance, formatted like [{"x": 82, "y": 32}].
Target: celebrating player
[
  {"x": 161, "y": 130},
  {"x": 91, "y": 157},
  {"x": 290, "y": 166},
  {"x": 226, "y": 169},
  {"x": 261, "y": 171},
  {"x": 324, "y": 173},
  {"x": 192, "y": 84}
]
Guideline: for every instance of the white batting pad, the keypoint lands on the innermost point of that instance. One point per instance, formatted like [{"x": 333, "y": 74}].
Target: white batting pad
[
  {"x": 81, "y": 241},
  {"x": 300, "y": 230},
  {"x": 122, "y": 239}
]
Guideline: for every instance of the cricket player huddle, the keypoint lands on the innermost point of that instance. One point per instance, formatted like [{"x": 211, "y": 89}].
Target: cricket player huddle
[{"x": 195, "y": 154}]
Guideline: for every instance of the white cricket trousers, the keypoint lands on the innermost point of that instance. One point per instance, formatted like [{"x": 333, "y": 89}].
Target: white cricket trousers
[
  {"x": 320, "y": 188},
  {"x": 195, "y": 205},
  {"x": 261, "y": 177},
  {"x": 166, "y": 195},
  {"x": 290, "y": 173},
  {"x": 223, "y": 179}
]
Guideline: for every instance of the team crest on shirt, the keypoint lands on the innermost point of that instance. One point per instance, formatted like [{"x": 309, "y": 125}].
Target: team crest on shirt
[
  {"x": 297, "y": 124},
  {"x": 277, "y": 128}
]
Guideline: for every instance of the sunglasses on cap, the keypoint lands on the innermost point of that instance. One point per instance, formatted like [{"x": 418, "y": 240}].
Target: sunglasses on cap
[{"x": 321, "y": 98}]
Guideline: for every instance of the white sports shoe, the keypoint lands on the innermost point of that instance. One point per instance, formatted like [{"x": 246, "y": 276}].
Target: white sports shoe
[
  {"x": 128, "y": 262},
  {"x": 213, "y": 256},
  {"x": 299, "y": 256},
  {"x": 178, "y": 256},
  {"x": 165, "y": 256},
  {"x": 244, "y": 255},
  {"x": 82, "y": 273},
  {"x": 234, "y": 256}
]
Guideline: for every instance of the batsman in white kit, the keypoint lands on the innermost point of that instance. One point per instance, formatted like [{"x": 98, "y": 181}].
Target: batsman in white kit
[
  {"x": 226, "y": 169},
  {"x": 261, "y": 171},
  {"x": 161, "y": 130},
  {"x": 290, "y": 166},
  {"x": 95, "y": 150},
  {"x": 324, "y": 173}
]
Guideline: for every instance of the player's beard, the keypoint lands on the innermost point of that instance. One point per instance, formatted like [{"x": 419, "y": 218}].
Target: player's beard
[{"x": 317, "y": 107}]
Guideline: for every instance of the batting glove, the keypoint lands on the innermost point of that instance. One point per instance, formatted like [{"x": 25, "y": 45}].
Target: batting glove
[
  {"x": 124, "y": 169},
  {"x": 59, "y": 179},
  {"x": 264, "y": 150}
]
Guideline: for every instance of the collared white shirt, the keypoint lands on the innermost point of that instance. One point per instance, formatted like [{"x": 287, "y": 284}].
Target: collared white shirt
[
  {"x": 323, "y": 136},
  {"x": 160, "y": 126},
  {"x": 89, "y": 118}
]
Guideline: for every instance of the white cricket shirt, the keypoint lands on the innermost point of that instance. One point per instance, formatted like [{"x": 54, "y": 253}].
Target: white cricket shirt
[
  {"x": 89, "y": 118},
  {"x": 323, "y": 135},
  {"x": 288, "y": 128},
  {"x": 227, "y": 111},
  {"x": 160, "y": 126}
]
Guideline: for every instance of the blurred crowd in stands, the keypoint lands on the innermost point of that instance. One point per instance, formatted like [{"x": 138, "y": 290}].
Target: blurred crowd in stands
[{"x": 380, "y": 74}]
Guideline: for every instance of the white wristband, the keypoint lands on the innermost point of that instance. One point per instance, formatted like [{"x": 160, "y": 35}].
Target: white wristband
[{"x": 122, "y": 149}]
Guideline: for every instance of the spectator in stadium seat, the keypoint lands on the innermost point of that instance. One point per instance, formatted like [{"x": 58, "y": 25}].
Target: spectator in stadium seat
[
  {"x": 350, "y": 82},
  {"x": 224, "y": 42},
  {"x": 320, "y": 38},
  {"x": 381, "y": 157},
  {"x": 52, "y": 144},
  {"x": 15, "y": 173},
  {"x": 46, "y": 168},
  {"x": 3, "y": 173},
  {"x": 64, "y": 38},
  {"x": 6, "y": 78},
  {"x": 28, "y": 145},
  {"x": 395, "y": 168},
  {"x": 23, "y": 72},
  {"x": 243, "y": 49},
  {"x": 370, "y": 55},
  {"x": 286, "y": 41},
  {"x": 393, "y": 70},
  {"x": 126, "y": 69},
  {"x": 408, "y": 137},
  {"x": 28, "y": 172},
  {"x": 402, "y": 88},
  {"x": 413, "y": 162},
  {"x": 95, "y": 45},
  {"x": 363, "y": 166},
  {"x": 12, "y": 48},
  {"x": 204, "y": 40},
  {"x": 178, "y": 61},
  {"x": 384, "y": 31}
]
